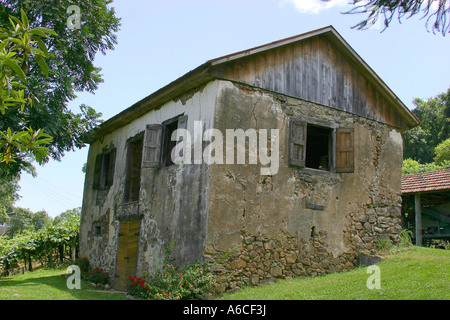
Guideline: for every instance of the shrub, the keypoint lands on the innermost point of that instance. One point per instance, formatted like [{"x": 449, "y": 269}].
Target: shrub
[
  {"x": 97, "y": 276},
  {"x": 138, "y": 288},
  {"x": 171, "y": 283},
  {"x": 442, "y": 152},
  {"x": 83, "y": 263}
]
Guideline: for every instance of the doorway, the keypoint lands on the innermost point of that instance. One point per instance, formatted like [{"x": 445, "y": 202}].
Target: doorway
[{"x": 127, "y": 253}]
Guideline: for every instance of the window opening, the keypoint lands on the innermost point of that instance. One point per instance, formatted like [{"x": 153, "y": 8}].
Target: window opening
[
  {"x": 133, "y": 179},
  {"x": 318, "y": 147}
]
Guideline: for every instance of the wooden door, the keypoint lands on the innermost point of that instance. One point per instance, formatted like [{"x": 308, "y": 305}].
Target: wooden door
[{"x": 127, "y": 253}]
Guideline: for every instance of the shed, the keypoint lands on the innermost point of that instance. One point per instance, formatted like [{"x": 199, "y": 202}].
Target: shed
[{"x": 426, "y": 205}]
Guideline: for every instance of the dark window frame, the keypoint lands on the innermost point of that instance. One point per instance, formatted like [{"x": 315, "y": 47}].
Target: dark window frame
[
  {"x": 321, "y": 147},
  {"x": 97, "y": 229},
  {"x": 340, "y": 145},
  {"x": 167, "y": 145},
  {"x": 104, "y": 169}
]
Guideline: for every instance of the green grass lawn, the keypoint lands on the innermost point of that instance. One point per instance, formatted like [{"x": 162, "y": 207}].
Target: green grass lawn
[
  {"x": 50, "y": 285},
  {"x": 416, "y": 274},
  {"x": 419, "y": 273}
]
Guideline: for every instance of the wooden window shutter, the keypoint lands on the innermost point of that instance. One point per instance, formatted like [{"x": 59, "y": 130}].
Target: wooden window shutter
[
  {"x": 97, "y": 171},
  {"x": 111, "y": 165},
  {"x": 345, "y": 154},
  {"x": 182, "y": 124},
  {"x": 297, "y": 143},
  {"x": 152, "y": 146}
]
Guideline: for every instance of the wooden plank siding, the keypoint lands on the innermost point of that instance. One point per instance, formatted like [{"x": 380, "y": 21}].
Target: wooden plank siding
[
  {"x": 318, "y": 66},
  {"x": 314, "y": 70}
]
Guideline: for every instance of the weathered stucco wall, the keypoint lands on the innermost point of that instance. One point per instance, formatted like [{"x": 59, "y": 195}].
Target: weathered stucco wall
[
  {"x": 255, "y": 227},
  {"x": 260, "y": 224},
  {"x": 172, "y": 203}
]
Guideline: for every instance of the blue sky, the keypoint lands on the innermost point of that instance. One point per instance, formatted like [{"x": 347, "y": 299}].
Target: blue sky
[{"x": 161, "y": 40}]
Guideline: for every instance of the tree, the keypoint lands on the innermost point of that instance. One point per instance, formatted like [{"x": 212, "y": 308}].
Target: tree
[
  {"x": 442, "y": 152},
  {"x": 9, "y": 186},
  {"x": 436, "y": 11},
  {"x": 20, "y": 220},
  {"x": 421, "y": 141},
  {"x": 445, "y": 132},
  {"x": 70, "y": 69},
  {"x": 67, "y": 215},
  {"x": 17, "y": 45}
]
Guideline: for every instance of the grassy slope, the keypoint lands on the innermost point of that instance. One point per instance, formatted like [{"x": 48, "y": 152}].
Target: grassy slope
[
  {"x": 49, "y": 285},
  {"x": 419, "y": 274}
]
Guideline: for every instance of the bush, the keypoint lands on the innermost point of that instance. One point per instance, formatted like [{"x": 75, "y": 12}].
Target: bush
[
  {"x": 83, "y": 263},
  {"x": 442, "y": 152},
  {"x": 171, "y": 283},
  {"x": 411, "y": 166},
  {"x": 97, "y": 276}
]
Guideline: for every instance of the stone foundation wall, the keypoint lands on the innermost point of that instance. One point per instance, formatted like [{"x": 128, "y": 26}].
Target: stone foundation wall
[{"x": 259, "y": 259}]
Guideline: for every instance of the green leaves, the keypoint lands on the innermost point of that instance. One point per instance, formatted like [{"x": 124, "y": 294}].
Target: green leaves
[
  {"x": 17, "y": 45},
  {"x": 39, "y": 243},
  {"x": 70, "y": 59},
  {"x": 28, "y": 42},
  {"x": 24, "y": 144},
  {"x": 41, "y": 62}
]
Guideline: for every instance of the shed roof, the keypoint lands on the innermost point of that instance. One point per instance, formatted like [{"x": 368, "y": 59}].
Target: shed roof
[
  {"x": 211, "y": 70},
  {"x": 427, "y": 181}
]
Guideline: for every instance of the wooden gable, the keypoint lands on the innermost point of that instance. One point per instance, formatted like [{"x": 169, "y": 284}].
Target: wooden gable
[
  {"x": 321, "y": 70},
  {"x": 318, "y": 66}
]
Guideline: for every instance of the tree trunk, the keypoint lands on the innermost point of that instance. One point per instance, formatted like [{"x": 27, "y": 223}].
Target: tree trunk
[
  {"x": 50, "y": 255},
  {"x": 61, "y": 253},
  {"x": 73, "y": 249},
  {"x": 30, "y": 264}
]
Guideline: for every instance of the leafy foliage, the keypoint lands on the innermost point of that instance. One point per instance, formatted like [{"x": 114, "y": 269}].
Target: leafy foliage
[
  {"x": 425, "y": 143},
  {"x": 42, "y": 244},
  {"x": 171, "y": 283},
  {"x": 96, "y": 276},
  {"x": 442, "y": 152},
  {"x": 17, "y": 45},
  {"x": 411, "y": 166},
  {"x": 420, "y": 142},
  {"x": 70, "y": 68},
  {"x": 58, "y": 65},
  {"x": 20, "y": 220}
]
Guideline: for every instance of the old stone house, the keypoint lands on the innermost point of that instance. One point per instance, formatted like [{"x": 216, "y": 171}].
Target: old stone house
[{"x": 335, "y": 187}]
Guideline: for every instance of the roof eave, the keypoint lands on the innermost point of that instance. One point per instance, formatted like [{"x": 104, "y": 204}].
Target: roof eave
[
  {"x": 203, "y": 74},
  {"x": 188, "y": 81}
]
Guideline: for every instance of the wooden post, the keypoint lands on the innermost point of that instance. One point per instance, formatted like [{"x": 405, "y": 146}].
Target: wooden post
[{"x": 418, "y": 210}]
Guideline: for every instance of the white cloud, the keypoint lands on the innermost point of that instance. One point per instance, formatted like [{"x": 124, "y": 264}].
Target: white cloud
[{"x": 315, "y": 6}]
